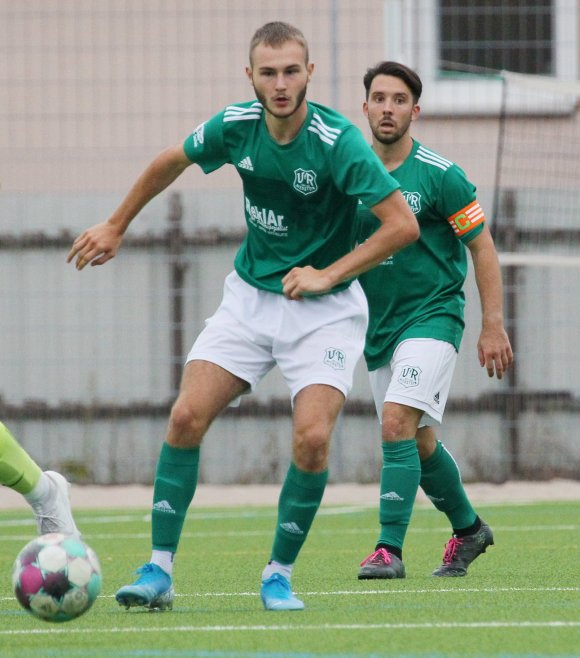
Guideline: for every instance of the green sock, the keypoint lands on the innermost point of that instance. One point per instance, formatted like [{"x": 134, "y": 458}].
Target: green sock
[
  {"x": 175, "y": 484},
  {"x": 17, "y": 468},
  {"x": 399, "y": 483},
  {"x": 299, "y": 501},
  {"x": 441, "y": 481}
]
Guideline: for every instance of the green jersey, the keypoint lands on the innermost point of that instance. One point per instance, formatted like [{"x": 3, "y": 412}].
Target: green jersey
[
  {"x": 418, "y": 292},
  {"x": 300, "y": 198}
]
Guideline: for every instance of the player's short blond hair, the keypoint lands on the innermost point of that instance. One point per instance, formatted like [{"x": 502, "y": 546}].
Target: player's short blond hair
[{"x": 275, "y": 34}]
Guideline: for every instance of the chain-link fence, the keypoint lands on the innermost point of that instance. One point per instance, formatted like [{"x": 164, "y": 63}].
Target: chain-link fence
[{"x": 90, "y": 361}]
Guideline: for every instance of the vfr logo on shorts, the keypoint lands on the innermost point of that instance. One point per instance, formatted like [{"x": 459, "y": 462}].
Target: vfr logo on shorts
[
  {"x": 334, "y": 358},
  {"x": 410, "y": 376}
]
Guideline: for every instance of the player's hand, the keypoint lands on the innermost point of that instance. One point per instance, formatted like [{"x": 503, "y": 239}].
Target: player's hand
[
  {"x": 495, "y": 351},
  {"x": 301, "y": 281},
  {"x": 96, "y": 246}
]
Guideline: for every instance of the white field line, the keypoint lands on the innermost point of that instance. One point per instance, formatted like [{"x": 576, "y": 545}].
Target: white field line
[
  {"x": 389, "y": 592},
  {"x": 117, "y": 519},
  {"x": 192, "y": 516},
  {"x": 277, "y": 628},
  {"x": 91, "y": 536}
]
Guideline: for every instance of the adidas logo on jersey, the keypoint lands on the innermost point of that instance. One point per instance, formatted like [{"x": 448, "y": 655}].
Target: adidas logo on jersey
[
  {"x": 246, "y": 163},
  {"x": 392, "y": 495},
  {"x": 163, "y": 506},
  {"x": 292, "y": 528}
]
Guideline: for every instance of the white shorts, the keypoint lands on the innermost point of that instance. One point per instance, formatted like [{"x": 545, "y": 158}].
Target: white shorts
[
  {"x": 315, "y": 340},
  {"x": 419, "y": 375}
]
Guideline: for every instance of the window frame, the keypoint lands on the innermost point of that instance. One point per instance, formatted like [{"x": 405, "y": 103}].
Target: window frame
[{"x": 411, "y": 36}]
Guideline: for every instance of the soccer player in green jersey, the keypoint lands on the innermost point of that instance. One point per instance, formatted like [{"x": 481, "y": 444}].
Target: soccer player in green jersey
[
  {"x": 416, "y": 323},
  {"x": 292, "y": 299},
  {"x": 46, "y": 492}
]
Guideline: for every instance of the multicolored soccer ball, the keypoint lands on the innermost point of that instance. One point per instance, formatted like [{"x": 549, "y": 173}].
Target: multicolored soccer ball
[{"x": 56, "y": 577}]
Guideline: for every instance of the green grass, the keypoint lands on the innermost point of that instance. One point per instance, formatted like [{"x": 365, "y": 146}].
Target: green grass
[{"x": 522, "y": 598}]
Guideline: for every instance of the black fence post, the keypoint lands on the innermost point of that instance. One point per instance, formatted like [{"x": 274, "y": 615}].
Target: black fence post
[
  {"x": 511, "y": 273},
  {"x": 176, "y": 293}
]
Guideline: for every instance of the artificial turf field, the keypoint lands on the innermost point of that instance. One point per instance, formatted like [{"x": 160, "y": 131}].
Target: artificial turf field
[{"x": 522, "y": 598}]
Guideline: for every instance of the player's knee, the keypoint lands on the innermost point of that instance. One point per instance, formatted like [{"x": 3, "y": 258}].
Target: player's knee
[
  {"x": 398, "y": 425},
  {"x": 399, "y": 421},
  {"x": 392, "y": 431},
  {"x": 311, "y": 448},
  {"x": 186, "y": 426}
]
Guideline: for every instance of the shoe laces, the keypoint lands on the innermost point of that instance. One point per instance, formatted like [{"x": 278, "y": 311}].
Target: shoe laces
[
  {"x": 451, "y": 549},
  {"x": 380, "y": 556},
  {"x": 146, "y": 568}
]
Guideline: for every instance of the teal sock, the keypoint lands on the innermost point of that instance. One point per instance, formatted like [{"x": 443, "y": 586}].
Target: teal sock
[
  {"x": 441, "y": 481},
  {"x": 299, "y": 501},
  {"x": 175, "y": 484},
  {"x": 399, "y": 483}
]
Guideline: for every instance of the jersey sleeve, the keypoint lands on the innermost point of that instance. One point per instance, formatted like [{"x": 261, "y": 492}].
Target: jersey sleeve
[
  {"x": 358, "y": 171},
  {"x": 206, "y": 145},
  {"x": 460, "y": 206}
]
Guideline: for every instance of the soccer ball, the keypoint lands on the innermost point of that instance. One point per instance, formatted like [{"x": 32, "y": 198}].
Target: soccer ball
[{"x": 56, "y": 577}]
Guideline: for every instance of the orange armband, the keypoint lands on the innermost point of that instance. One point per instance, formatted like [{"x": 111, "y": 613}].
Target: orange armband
[{"x": 466, "y": 219}]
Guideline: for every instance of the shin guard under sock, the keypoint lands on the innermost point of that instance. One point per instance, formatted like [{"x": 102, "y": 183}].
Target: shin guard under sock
[
  {"x": 441, "y": 481},
  {"x": 299, "y": 501},
  {"x": 175, "y": 484},
  {"x": 399, "y": 483}
]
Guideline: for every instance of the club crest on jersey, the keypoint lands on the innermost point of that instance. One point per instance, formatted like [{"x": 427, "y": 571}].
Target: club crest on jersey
[
  {"x": 410, "y": 376},
  {"x": 305, "y": 181},
  {"x": 414, "y": 201},
  {"x": 334, "y": 358}
]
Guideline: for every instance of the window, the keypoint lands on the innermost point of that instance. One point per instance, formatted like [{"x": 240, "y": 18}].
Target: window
[
  {"x": 460, "y": 46},
  {"x": 509, "y": 35}
]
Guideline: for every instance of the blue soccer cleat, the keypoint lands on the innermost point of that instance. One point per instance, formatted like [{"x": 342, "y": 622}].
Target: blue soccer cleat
[
  {"x": 277, "y": 594},
  {"x": 153, "y": 589}
]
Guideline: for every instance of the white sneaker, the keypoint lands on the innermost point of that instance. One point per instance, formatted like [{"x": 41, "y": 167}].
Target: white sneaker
[{"x": 55, "y": 514}]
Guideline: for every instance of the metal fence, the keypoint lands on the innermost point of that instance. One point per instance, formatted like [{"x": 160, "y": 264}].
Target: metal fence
[{"x": 90, "y": 362}]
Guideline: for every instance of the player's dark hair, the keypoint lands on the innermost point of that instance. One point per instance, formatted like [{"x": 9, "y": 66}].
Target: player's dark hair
[
  {"x": 276, "y": 34},
  {"x": 397, "y": 70}
]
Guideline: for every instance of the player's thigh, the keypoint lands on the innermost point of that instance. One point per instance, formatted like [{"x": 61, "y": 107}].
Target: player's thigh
[
  {"x": 207, "y": 388},
  {"x": 316, "y": 409}
]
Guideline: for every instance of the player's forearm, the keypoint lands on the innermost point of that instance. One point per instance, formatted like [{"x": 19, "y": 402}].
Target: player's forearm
[
  {"x": 398, "y": 229},
  {"x": 382, "y": 244},
  {"x": 160, "y": 173},
  {"x": 489, "y": 285}
]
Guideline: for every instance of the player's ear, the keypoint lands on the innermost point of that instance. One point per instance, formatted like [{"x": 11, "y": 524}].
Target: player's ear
[
  {"x": 249, "y": 74},
  {"x": 416, "y": 111},
  {"x": 310, "y": 69}
]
